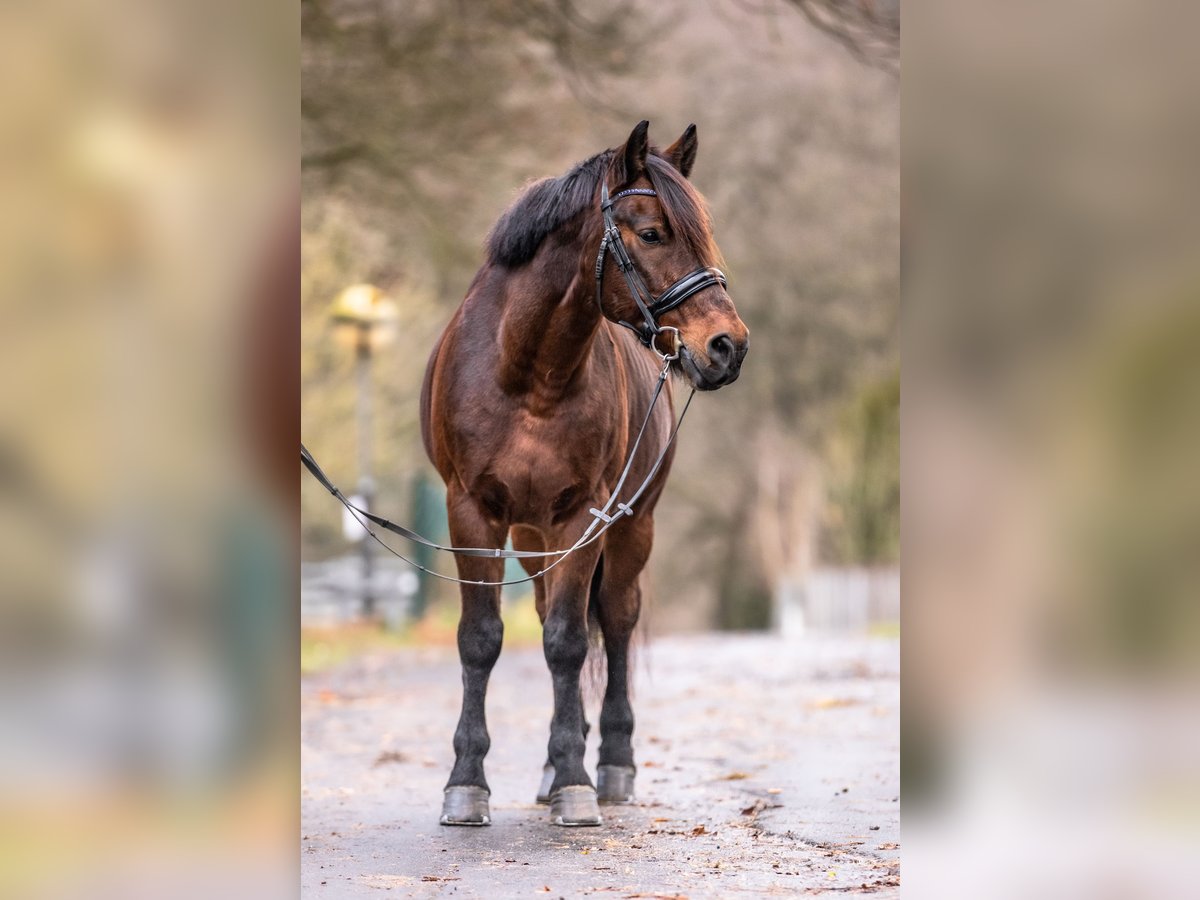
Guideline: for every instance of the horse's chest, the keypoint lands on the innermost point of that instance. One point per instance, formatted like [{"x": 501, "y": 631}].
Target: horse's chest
[{"x": 542, "y": 471}]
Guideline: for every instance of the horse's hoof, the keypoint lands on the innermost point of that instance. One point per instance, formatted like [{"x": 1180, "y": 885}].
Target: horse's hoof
[
  {"x": 575, "y": 805},
  {"x": 543, "y": 795},
  {"x": 466, "y": 805},
  {"x": 614, "y": 784}
]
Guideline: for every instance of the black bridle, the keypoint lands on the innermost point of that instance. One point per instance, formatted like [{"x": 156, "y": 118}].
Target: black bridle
[{"x": 650, "y": 307}]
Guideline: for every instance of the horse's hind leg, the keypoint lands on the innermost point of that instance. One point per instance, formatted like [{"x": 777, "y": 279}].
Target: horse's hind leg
[
  {"x": 480, "y": 634},
  {"x": 528, "y": 539},
  {"x": 615, "y": 774},
  {"x": 543, "y": 794},
  {"x": 565, "y": 641},
  {"x": 619, "y": 604}
]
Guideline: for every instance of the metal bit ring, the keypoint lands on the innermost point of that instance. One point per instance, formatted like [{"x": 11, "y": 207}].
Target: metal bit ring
[{"x": 678, "y": 343}]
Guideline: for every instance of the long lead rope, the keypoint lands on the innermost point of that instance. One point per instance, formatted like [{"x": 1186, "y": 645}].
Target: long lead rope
[{"x": 591, "y": 534}]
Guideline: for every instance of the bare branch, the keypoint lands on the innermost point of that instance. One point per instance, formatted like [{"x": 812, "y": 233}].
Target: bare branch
[
  {"x": 330, "y": 159},
  {"x": 868, "y": 29}
]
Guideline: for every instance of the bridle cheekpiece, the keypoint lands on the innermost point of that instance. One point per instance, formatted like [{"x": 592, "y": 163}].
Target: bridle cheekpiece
[{"x": 651, "y": 307}]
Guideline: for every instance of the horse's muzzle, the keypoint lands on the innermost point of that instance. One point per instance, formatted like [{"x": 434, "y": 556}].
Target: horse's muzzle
[{"x": 725, "y": 357}]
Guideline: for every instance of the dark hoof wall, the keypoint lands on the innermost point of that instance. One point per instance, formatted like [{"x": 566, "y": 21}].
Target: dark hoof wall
[
  {"x": 574, "y": 806},
  {"x": 614, "y": 784},
  {"x": 543, "y": 794},
  {"x": 466, "y": 805}
]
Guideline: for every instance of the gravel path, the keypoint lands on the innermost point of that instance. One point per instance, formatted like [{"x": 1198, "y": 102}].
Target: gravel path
[{"x": 767, "y": 767}]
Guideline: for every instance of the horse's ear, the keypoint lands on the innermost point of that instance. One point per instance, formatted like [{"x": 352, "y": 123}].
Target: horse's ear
[
  {"x": 682, "y": 153},
  {"x": 633, "y": 154}
]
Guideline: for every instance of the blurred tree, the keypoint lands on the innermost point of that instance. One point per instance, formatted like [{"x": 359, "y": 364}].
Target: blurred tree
[
  {"x": 405, "y": 101},
  {"x": 418, "y": 121},
  {"x": 869, "y": 29},
  {"x": 421, "y": 120},
  {"x": 861, "y": 524}
]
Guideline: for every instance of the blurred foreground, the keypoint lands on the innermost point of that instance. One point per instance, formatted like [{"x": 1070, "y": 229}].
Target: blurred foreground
[
  {"x": 765, "y": 766},
  {"x": 148, "y": 344},
  {"x": 1051, "y": 433}
]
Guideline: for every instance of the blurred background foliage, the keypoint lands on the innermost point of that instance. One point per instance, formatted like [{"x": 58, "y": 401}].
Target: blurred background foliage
[{"x": 422, "y": 120}]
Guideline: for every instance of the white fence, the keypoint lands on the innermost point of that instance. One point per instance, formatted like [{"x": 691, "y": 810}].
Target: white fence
[
  {"x": 331, "y": 591},
  {"x": 838, "y": 600}
]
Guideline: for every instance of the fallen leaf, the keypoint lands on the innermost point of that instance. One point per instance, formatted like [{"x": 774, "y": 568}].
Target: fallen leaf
[
  {"x": 759, "y": 805},
  {"x": 832, "y": 702},
  {"x": 390, "y": 756},
  {"x": 735, "y": 776}
]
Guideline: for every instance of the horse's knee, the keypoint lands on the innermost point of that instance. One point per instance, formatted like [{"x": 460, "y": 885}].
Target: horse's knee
[
  {"x": 565, "y": 644},
  {"x": 479, "y": 641}
]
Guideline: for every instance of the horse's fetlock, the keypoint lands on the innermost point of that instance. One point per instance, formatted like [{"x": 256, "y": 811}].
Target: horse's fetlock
[
  {"x": 565, "y": 747},
  {"x": 616, "y": 720},
  {"x": 472, "y": 745}
]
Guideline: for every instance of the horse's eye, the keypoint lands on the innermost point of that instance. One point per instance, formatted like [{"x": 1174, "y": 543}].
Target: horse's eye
[{"x": 650, "y": 236}]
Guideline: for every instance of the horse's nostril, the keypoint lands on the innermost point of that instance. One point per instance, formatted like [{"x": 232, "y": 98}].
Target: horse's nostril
[{"x": 720, "y": 349}]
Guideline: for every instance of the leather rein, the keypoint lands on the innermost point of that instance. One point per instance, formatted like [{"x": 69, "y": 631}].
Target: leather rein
[{"x": 612, "y": 511}]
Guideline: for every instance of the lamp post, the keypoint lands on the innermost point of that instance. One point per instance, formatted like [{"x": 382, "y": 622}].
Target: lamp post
[{"x": 364, "y": 315}]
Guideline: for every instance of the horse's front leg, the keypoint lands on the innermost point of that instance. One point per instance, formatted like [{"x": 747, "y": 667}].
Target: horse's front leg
[
  {"x": 480, "y": 634},
  {"x": 565, "y": 641}
]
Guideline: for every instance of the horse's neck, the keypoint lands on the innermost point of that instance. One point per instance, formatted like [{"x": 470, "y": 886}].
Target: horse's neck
[{"x": 548, "y": 325}]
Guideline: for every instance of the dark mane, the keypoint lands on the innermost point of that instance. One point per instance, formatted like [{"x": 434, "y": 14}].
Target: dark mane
[
  {"x": 543, "y": 208},
  {"x": 547, "y": 205}
]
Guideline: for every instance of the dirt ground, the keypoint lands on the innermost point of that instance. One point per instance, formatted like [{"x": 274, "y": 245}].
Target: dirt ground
[{"x": 766, "y": 767}]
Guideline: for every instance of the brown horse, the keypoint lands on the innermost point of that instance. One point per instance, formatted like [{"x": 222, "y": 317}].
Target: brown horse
[{"x": 530, "y": 404}]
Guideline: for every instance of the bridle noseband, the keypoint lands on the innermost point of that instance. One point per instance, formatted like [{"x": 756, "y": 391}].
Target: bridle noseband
[{"x": 649, "y": 306}]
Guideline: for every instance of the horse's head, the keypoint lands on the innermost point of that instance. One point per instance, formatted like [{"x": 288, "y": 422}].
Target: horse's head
[{"x": 665, "y": 228}]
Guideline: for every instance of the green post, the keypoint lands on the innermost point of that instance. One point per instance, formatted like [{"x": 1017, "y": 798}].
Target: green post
[{"x": 429, "y": 519}]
